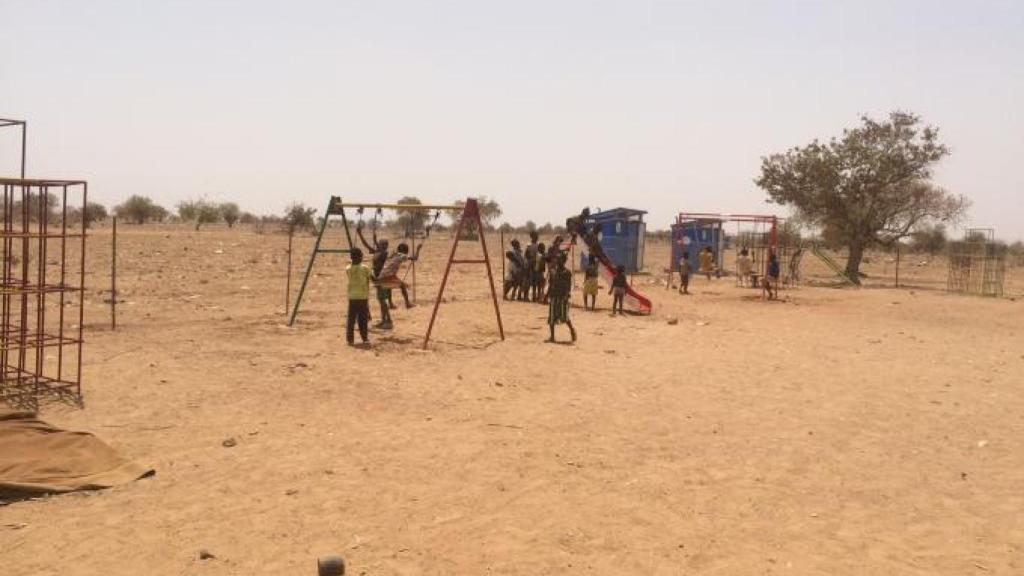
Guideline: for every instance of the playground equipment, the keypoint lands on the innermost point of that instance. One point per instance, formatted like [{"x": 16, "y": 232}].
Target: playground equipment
[
  {"x": 620, "y": 231},
  {"x": 977, "y": 264},
  {"x": 693, "y": 232},
  {"x": 42, "y": 287},
  {"x": 578, "y": 228},
  {"x": 469, "y": 215},
  {"x": 831, "y": 263}
]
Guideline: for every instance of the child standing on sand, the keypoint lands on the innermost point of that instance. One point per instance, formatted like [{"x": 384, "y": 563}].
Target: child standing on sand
[
  {"x": 359, "y": 275},
  {"x": 618, "y": 289},
  {"x": 771, "y": 279},
  {"x": 590, "y": 284},
  {"x": 707, "y": 262},
  {"x": 685, "y": 269},
  {"x": 558, "y": 298},
  {"x": 744, "y": 267}
]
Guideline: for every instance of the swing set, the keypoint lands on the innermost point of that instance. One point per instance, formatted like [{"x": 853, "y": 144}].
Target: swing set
[
  {"x": 757, "y": 233},
  {"x": 469, "y": 216}
]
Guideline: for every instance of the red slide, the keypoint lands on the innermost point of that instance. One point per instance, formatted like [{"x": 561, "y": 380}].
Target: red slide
[{"x": 634, "y": 301}]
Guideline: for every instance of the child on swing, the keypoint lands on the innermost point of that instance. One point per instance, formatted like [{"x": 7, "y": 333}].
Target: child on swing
[
  {"x": 558, "y": 298},
  {"x": 388, "y": 276},
  {"x": 379, "y": 251},
  {"x": 771, "y": 278}
]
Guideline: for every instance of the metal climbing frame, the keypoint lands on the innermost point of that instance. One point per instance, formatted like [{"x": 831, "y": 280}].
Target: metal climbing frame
[
  {"x": 692, "y": 231},
  {"x": 977, "y": 264},
  {"x": 470, "y": 215},
  {"x": 42, "y": 290}
]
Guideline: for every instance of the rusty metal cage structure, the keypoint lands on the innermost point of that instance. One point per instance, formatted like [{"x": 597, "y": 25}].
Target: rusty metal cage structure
[
  {"x": 977, "y": 264},
  {"x": 42, "y": 291},
  {"x": 42, "y": 286}
]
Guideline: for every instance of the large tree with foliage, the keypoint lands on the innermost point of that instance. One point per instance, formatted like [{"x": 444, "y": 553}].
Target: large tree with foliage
[
  {"x": 199, "y": 211},
  {"x": 410, "y": 219},
  {"x": 869, "y": 187},
  {"x": 230, "y": 213},
  {"x": 490, "y": 210},
  {"x": 138, "y": 209},
  {"x": 298, "y": 216}
]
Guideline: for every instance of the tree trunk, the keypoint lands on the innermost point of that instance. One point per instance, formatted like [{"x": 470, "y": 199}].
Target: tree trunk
[{"x": 853, "y": 263}]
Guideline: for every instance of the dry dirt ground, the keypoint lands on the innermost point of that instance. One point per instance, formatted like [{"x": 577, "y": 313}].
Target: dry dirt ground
[{"x": 873, "y": 431}]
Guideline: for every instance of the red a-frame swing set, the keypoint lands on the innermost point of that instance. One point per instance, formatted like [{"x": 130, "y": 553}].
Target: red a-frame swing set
[{"x": 470, "y": 214}]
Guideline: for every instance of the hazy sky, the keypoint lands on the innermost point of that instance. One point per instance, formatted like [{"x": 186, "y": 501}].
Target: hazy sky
[{"x": 546, "y": 106}]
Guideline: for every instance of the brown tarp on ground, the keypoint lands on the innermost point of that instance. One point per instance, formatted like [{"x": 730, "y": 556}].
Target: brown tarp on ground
[{"x": 36, "y": 458}]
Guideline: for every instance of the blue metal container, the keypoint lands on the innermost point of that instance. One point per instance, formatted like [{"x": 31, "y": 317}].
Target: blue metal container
[
  {"x": 621, "y": 234},
  {"x": 693, "y": 236}
]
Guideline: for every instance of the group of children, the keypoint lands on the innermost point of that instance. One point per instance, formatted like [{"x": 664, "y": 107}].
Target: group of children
[
  {"x": 539, "y": 274},
  {"x": 384, "y": 275},
  {"x": 744, "y": 270}
]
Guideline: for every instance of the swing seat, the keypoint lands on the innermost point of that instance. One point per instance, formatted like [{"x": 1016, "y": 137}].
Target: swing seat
[{"x": 390, "y": 282}]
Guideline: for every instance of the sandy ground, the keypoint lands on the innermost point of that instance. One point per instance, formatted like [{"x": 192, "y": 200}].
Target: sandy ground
[{"x": 873, "y": 431}]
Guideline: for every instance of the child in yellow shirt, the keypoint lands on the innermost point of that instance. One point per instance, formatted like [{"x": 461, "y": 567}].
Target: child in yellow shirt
[{"x": 359, "y": 275}]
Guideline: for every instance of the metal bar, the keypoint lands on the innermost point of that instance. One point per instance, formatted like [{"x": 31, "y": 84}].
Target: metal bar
[
  {"x": 897, "y": 264},
  {"x": 8, "y": 245},
  {"x": 44, "y": 208},
  {"x": 81, "y": 294},
  {"x": 288, "y": 280},
  {"x": 113, "y": 277},
  {"x": 444, "y": 279},
  {"x": 24, "y": 137},
  {"x": 395, "y": 206},
  {"x": 309, "y": 268},
  {"x": 63, "y": 279},
  {"x": 487, "y": 262}
]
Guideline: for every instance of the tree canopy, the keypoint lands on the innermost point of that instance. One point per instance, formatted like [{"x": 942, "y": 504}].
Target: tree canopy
[
  {"x": 138, "y": 209},
  {"x": 410, "y": 219},
  {"x": 230, "y": 212},
  {"x": 869, "y": 187},
  {"x": 298, "y": 216},
  {"x": 199, "y": 211}
]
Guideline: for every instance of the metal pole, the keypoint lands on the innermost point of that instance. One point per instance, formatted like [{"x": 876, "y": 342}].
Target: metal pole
[
  {"x": 487, "y": 262},
  {"x": 24, "y": 137},
  {"x": 447, "y": 270},
  {"x": 288, "y": 279},
  {"x": 414, "y": 281},
  {"x": 897, "y": 264},
  {"x": 113, "y": 279},
  {"x": 309, "y": 267}
]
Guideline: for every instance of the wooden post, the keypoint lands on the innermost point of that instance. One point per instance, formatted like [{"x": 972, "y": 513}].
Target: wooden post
[{"x": 113, "y": 276}]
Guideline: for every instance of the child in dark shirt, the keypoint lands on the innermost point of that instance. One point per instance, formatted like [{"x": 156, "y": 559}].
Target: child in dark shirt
[
  {"x": 618, "y": 289},
  {"x": 558, "y": 298}
]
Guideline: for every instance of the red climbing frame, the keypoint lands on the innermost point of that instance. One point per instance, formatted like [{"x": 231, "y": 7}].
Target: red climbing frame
[{"x": 472, "y": 212}]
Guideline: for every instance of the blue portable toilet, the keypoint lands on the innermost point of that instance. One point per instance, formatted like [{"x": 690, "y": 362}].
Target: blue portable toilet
[
  {"x": 621, "y": 234},
  {"x": 693, "y": 235}
]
